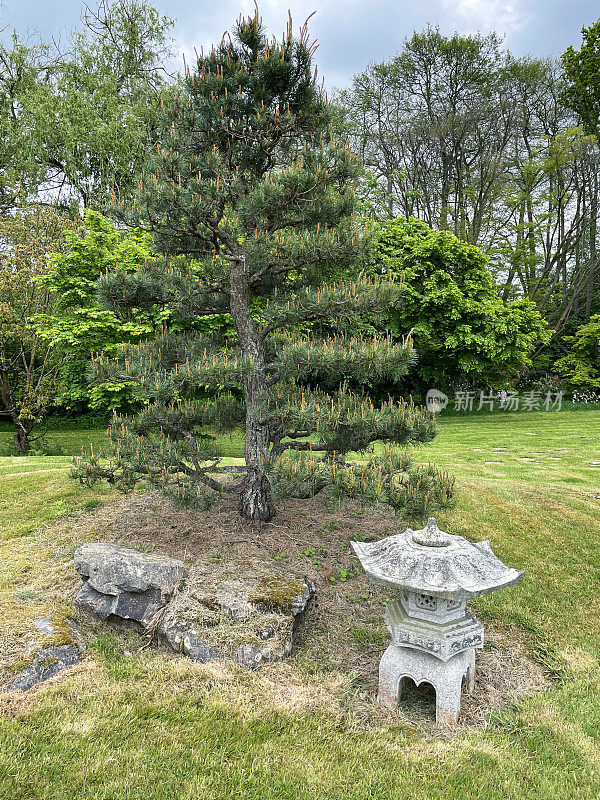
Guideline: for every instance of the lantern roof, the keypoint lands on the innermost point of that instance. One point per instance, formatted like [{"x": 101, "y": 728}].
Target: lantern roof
[{"x": 431, "y": 561}]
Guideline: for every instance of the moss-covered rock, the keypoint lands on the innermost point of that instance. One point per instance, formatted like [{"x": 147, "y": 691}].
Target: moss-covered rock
[
  {"x": 47, "y": 663},
  {"x": 277, "y": 593},
  {"x": 238, "y": 611}
]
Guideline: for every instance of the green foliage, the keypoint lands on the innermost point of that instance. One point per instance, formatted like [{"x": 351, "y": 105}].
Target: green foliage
[
  {"x": 250, "y": 190},
  {"x": 168, "y": 444},
  {"x": 463, "y": 333},
  {"x": 29, "y": 364},
  {"x": 346, "y": 422},
  {"x": 21, "y": 67},
  {"x": 582, "y": 78},
  {"x": 78, "y": 326},
  {"x": 344, "y": 358},
  {"x": 581, "y": 367},
  {"x": 165, "y": 445},
  {"x": 92, "y": 112},
  {"x": 388, "y": 478}
]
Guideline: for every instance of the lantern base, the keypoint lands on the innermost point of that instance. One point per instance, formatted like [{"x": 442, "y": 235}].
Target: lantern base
[{"x": 446, "y": 677}]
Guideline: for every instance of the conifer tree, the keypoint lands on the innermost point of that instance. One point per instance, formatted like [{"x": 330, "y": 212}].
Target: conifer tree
[{"x": 251, "y": 197}]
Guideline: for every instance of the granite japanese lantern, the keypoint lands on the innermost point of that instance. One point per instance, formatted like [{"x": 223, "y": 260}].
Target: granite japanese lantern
[{"x": 434, "y": 635}]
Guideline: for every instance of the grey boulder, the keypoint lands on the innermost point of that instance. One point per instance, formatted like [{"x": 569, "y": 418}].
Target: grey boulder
[
  {"x": 111, "y": 569},
  {"x": 239, "y": 610},
  {"x": 122, "y": 583}
]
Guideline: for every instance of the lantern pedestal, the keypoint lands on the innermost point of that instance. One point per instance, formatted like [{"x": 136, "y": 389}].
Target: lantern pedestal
[{"x": 446, "y": 677}]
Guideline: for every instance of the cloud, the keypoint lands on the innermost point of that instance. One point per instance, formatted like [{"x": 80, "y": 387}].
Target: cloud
[
  {"x": 350, "y": 33},
  {"x": 503, "y": 16}
]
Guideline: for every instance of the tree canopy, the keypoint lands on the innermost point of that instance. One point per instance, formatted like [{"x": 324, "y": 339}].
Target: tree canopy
[
  {"x": 582, "y": 78},
  {"x": 76, "y": 122},
  {"x": 76, "y": 325},
  {"x": 581, "y": 366},
  {"x": 460, "y": 133},
  {"x": 29, "y": 365}
]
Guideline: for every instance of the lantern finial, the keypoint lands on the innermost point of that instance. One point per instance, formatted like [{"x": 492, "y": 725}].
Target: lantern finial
[{"x": 431, "y": 535}]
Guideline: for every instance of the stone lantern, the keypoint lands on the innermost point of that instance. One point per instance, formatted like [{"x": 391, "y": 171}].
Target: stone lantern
[{"x": 434, "y": 635}]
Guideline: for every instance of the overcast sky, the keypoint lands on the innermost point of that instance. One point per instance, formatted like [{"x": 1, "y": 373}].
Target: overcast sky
[{"x": 351, "y": 33}]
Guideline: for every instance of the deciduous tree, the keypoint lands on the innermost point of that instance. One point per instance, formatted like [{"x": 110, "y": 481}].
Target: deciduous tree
[
  {"x": 463, "y": 332},
  {"x": 76, "y": 325},
  {"x": 29, "y": 365}
]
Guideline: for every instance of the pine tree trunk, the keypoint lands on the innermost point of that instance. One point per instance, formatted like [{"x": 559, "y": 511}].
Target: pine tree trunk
[{"x": 256, "y": 501}]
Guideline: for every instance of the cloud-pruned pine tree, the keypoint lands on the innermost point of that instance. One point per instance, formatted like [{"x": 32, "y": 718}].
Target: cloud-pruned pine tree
[{"x": 251, "y": 197}]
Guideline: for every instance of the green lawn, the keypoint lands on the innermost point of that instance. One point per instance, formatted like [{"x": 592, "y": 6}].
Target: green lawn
[
  {"x": 143, "y": 726},
  {"x": 66, "y": 438}
]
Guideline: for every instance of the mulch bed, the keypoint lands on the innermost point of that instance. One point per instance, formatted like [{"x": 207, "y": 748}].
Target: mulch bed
[{"x": 343, "y": 632}]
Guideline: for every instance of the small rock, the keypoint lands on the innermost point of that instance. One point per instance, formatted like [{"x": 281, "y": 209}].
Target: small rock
[
  {"x": 139, "y": 607},
  {"x": 48, "y": 662}
]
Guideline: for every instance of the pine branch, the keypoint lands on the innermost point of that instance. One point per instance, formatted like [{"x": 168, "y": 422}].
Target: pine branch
[
  {"x": 347, "y": 422},
  {"x": 171, "y": 285},
  {"x": 389, "y": 479},
  {"x": 339, "y": 301},
  {"x": 343, "y": 358},
  {"x": 172, "y": 366}
]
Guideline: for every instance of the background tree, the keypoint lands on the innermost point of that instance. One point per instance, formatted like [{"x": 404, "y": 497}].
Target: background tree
[
  {"x": 550, "y": 205},
  {"x": 23, "y": 68},
  {"x": 76, "y": 124},
  {"x": 76, "y": 325},
  {"x": 581, "y": 366},
  {"x": 461, "y": 134},
  {"x": 248, "y": 177},
  {"x": 582, "y": 78},
  {"x": 464, "y": 334},
  {"x": 29, "y": 366},
  {"x": 433, "y": 126},
  {"x": 582, "y": 93},
  {"x": 98, "y": 110},
  {"x": 551, "y": 215}
]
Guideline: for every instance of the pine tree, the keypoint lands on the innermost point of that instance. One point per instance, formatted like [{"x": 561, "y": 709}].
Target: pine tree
[{"x": 251, "y": 197}]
